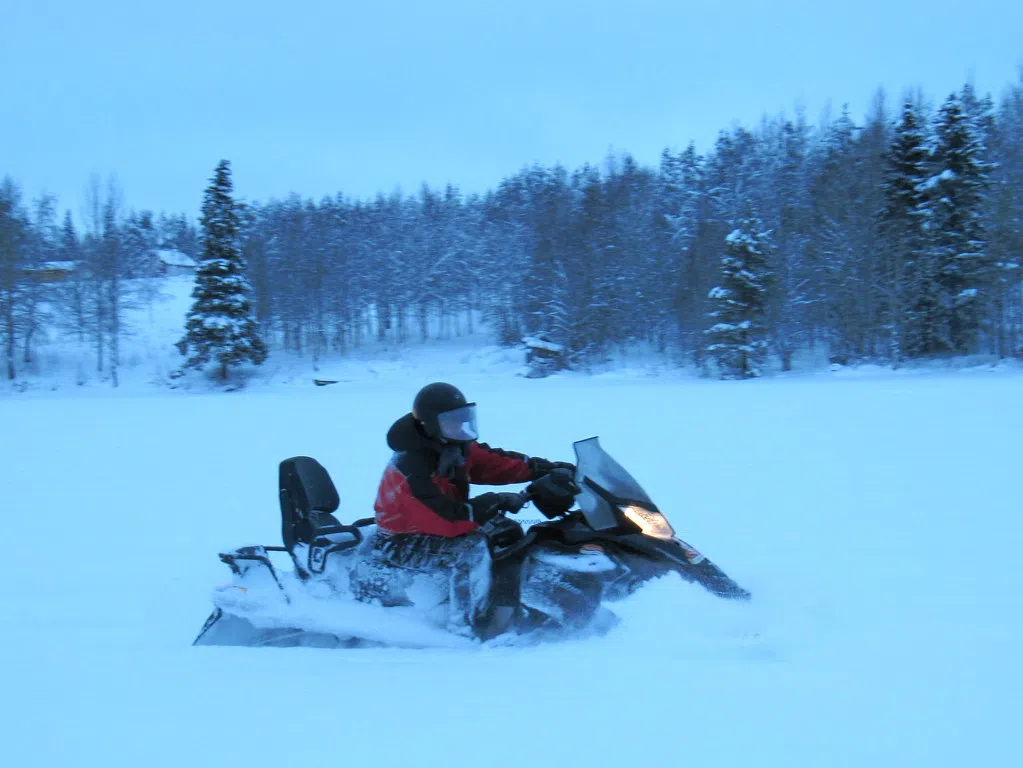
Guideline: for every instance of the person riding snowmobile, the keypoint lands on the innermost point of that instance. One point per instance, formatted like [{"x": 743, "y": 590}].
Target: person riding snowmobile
[
  {"x": 426, "y": 520},
  {"x": 425, "y": 487}
]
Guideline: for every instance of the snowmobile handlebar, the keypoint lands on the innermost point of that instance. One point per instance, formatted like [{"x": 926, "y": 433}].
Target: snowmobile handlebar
[
  {"x": 548, "y": 496},
  {"x": 553, "y": 493},
  {"x": 525, "y": 497}
]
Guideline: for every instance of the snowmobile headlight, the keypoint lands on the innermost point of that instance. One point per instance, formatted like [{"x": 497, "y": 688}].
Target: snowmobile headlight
[{"x": 650, "y": 523}]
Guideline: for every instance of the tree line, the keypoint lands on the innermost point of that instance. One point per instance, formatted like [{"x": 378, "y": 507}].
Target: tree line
[{"x": 896, "y": 238}]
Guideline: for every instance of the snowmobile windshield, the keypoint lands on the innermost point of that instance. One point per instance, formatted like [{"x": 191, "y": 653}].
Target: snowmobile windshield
[
  {"x": 459, "y": 424},
  {"x": 593, "y": 463}
]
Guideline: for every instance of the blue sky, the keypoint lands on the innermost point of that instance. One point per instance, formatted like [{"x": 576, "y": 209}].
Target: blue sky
[{"x": 320, "y": 97}]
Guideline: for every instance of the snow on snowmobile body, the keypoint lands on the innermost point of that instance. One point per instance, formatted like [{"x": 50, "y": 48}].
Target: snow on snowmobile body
[{"x": 554, "y": 580}]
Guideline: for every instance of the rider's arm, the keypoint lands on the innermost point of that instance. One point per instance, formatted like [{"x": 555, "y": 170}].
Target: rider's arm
[{"x": 493, "y": 466}]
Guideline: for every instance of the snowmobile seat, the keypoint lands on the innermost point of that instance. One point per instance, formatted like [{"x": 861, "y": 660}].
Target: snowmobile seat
[{"x": 308, "y": 503}]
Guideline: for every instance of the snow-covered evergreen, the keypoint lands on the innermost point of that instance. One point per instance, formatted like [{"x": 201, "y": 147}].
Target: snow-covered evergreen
[
  {"x": 738, "y": 339},
  {"x": 13, "y": 225},
  {"x": 908, "y": 301},
  {"x": 1006, "y": 223},
  {"x": 960, "y": 272},
  {"x": 220, "y": 326}
]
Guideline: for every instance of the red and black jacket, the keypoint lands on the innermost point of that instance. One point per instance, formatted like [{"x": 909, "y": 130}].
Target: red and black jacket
[{"x": 418, "y": 495}]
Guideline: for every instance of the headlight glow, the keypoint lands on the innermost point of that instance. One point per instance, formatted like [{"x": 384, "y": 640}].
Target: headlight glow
[{"x": 650, "y": 523}]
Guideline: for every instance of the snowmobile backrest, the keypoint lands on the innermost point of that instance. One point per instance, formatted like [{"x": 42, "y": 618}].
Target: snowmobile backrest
[
  {"x": 308, "y": 500},
  {"x": 308, "y": 485}
]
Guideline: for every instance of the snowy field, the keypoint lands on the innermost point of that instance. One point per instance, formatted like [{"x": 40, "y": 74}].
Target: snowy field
[{"x": 877, "y": 519}]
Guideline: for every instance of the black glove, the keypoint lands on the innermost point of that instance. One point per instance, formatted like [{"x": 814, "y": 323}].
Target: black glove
[
  {"x": 554, "y": 493},
  {"x": 542, "y": 467},
  {"x": 488, "y": 505}
]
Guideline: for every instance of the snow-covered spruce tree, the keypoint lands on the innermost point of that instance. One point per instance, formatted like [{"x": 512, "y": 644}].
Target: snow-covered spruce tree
[
  {"x": 680, "y": 209},
  {"x": 1006, "y": 222},
  {"x": 14, "y": 228},
  {"x": 220, "y": 326},
  {"x": 954, "y": 206},
  {"x": 907, "y": 298},
  {"x": 738, "y": 341}
]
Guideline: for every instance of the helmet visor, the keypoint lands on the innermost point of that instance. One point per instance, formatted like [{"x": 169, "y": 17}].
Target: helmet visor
[{"x": 459, "y": 424}]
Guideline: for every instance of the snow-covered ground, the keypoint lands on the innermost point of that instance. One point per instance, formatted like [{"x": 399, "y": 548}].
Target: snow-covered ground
[{"x": 877, "y": 519}]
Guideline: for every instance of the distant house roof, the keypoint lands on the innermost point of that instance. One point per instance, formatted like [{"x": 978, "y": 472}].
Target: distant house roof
[
  {"x": 52, "y": 266},
  {"x": 174, "y": 258},
  {"x": 536, "y": 343},
  {"x": 59, "y": 266}
]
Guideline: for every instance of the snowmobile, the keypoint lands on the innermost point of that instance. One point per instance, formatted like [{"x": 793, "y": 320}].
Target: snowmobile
[{"x": 601, "y": 540}]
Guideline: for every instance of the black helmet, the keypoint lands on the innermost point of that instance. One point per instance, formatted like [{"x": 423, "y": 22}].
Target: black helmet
[{"x": 444, "y": 414}]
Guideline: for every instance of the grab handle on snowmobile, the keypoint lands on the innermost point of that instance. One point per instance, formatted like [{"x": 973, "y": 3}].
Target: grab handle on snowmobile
[
  {"x": 254, "y": 554},
  {"x": 327, "y": 530}
]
